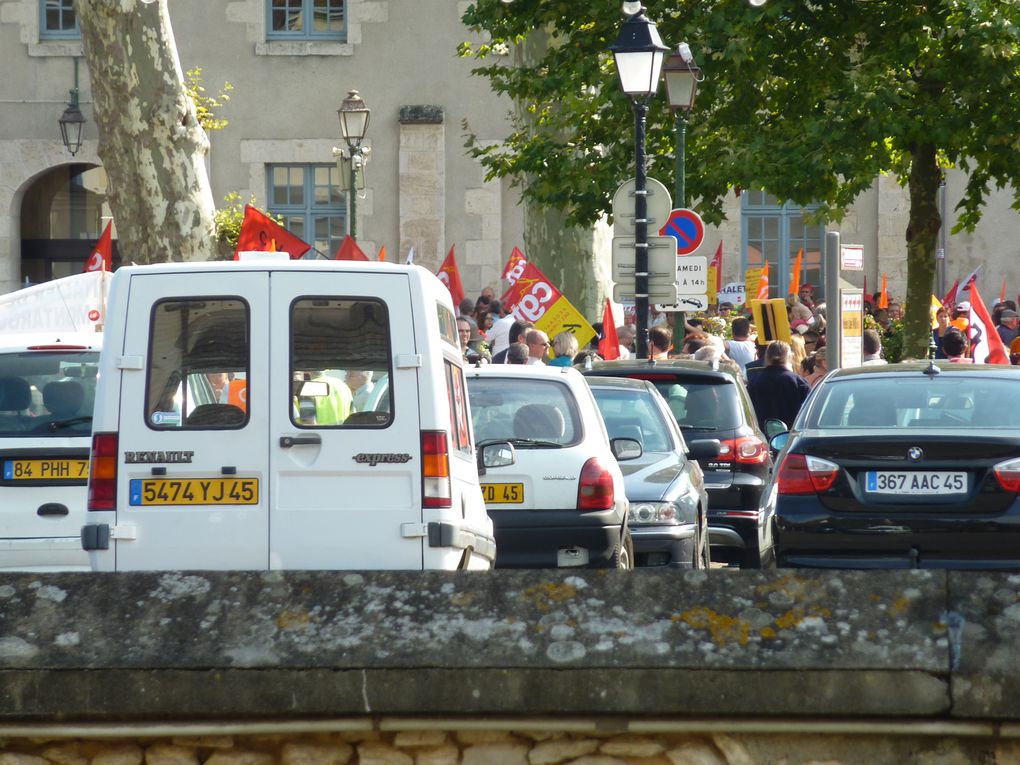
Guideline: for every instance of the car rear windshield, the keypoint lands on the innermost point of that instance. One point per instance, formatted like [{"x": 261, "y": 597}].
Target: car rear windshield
[
  {"x": 523, "y": 409},
  {"x": 634, "y": 414},
  {"x": 944, "y": 401},
  {"x": 47, "y": 393},
  {"x": 701, "y": 404}
]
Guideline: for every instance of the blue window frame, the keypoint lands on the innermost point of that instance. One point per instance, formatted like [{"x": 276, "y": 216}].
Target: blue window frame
[
  {"x": 306, "y": 19},
  {"x": 58, "y": 20},
  {"x": 775, "y": 233},
  {"x": 309, "y": 199}
]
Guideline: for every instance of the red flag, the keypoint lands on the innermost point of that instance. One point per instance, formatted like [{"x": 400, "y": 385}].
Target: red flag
[
  {"x": 717, "y": 265},
  {"x": 950, "y": 299},
  {"x": 1002, "y": 292},
  {"x": 450, "y": 276},
  {"x": 382, "y": 254},
  {"x": 609, "y": 345},
  {"x": 987, "y": 344},
  {"x": 971, "y": 279},
  {"x": 102, "y": 255},
  {"x": 349, "y": 250},
  {"x": 883, "y": 296},
  {"x": 763, "y": 283},
  {"x": 260, "y": 232},
  {"x": 514, "y": 266},
  {"x": 795, "y": 277}
]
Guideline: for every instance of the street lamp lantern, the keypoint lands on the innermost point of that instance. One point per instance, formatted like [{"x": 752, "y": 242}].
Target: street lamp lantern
[
  {"x": 682, "y": 76},
  {"x": 639, "y": 52},
  {"x": 72, "y": 120},
  {"x": 354, "y": 116}
]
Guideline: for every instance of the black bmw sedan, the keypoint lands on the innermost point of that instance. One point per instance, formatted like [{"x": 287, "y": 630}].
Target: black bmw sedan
[{"x": 911, "y": 465}]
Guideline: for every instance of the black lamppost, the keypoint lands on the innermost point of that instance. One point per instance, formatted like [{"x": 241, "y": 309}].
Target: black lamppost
[
  {"x": 353, "y": 125},
  {"x": 72, "y": 120},
  {"x": 639, "y": 52}
]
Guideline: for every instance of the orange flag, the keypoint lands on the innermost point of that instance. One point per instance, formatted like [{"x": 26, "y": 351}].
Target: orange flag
[
  {"x": 763, "y": 283},
  {"x": 1002, "y": 292},
  {"x": 102, "y": 255},
  {"x": 450, "y": 276},
  {"x": 609, "y": 345},
  {"x": 514, "y": 266},
  {"x": 260, "y": 232},
  {"x": 988, "y": 347},
  {"x": 716, "y": 263},
  {"x": 349, "y": 250},
  {"x": 883, "y": 296},
  {"x": 382, "y": 254},
  {"x": 795, "y": 277}
]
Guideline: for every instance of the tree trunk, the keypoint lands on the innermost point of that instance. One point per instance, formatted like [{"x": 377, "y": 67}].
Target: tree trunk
[
  {"x": 150, "y": 141},
  {"x": 922, "y": 234}
]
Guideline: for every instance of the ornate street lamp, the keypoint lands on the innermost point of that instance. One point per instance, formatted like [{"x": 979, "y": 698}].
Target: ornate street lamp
[
  {"x": 72, "y": 120},
  {"x": 639, "y": 52},
  {"x": 354, "y": 116}
]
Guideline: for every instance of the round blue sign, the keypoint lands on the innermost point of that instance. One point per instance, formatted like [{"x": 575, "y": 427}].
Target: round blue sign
[{"x": 688, "y": 229}]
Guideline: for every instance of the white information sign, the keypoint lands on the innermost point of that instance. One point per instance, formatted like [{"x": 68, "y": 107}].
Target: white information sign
[
  {"x": 734, "y": 292},
  {"x": 851, "y": 315},
  {"x": 851, "y": 257}
]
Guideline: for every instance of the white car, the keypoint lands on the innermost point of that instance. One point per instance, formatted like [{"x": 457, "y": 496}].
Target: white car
[
  {"x": 47, "y": 390},
  {"x": 562, "y": 502}
]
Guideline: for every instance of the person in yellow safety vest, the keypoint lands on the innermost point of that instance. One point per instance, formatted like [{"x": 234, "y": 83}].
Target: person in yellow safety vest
[{"x": 332, "y": 408}]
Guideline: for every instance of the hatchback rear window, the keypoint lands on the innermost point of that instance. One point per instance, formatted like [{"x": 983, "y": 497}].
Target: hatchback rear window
[
  {"x": 944, "y": 402},
  {"x": 701, "y": 404},
  {"x": 539, "y": 410},
  {"x": 47, "y": 393}
]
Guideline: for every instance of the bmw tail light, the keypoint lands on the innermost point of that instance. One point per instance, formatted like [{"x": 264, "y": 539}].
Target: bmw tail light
[
  {"x": 802, "y": 474},
  {"x": 746, "y": 450},
  {"x": 1008, "y": 475},
  {"x": 595, "y": 489},
  {"x": 103, "y": 472}
]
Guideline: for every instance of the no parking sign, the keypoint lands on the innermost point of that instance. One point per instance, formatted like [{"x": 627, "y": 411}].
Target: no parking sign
[{"x": 687, "y": 227}]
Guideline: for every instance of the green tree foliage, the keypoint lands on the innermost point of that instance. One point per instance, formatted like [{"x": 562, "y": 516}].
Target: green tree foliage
[
  {"x": 205, "y": 104},
  {"x": 810, "y": 100}
]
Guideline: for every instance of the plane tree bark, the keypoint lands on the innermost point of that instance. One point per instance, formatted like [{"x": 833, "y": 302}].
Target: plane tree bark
[{"x": 150, "y": 141}]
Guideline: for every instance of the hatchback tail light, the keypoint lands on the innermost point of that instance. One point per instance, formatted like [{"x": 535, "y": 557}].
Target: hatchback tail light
[
  {"x": 746, "y": 450},
  {"x": 435, "y": 471},
  {"x": 103, "y": 472},
  {"x": 803, "y": 474},
  {"x": 1008, "y": 475},
  {"x": 595, "y": 489}
]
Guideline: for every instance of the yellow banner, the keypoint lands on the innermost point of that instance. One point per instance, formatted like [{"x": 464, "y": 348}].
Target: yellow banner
[
  {"x": 712, "y": 281},
  {"x": 752, "y": 278},
  {"x": 770, "y": 320},
  {"x": 561, "y": 316}
]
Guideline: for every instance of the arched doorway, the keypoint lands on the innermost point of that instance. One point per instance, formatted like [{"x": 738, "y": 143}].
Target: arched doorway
[{"x": 63, "y": 213}]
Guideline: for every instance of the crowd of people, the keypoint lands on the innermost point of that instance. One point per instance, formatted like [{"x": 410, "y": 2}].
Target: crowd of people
[{"x": 779, "y": 374}]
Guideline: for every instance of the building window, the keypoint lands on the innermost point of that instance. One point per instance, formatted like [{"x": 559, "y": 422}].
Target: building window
[
  {"x": 309, "y": 199},
  {"x": 776, "y": 233},
  {"x": 58, "y": 21},
  {"x": 307, "y": 19}
]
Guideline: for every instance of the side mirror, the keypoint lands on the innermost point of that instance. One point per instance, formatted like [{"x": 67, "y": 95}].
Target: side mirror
[
  {"x": 703, "y": 449},
  {"x": 496, "y": 454},
  {"x": 775, "y": 427},
  {"x": 626, "y": 448},
  {"x": 777, "y": 442}
]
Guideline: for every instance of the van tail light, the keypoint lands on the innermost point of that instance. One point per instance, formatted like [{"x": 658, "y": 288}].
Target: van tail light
[
  {"x": 746, "y": 450},
  {"x": 1008, "y": 475},
  {"x": 103, "y": 472},
  {"x": 595, "y": 489},
  {"x": 435, "y": 472},
  {"x": 803, "y": 474}
]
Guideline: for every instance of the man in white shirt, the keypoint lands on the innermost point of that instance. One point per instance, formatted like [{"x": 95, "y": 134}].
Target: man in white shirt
[{"x": 538, "y": 346}]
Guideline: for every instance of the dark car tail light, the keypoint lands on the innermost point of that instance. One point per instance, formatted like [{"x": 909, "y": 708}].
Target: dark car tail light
[
  {"x": 103, "y": 472},
  {"x": 800, "y": 474},
  {"x": 1008, "y": 475},
  {"x": 595, "y": 489},
  {"x": 746, "y": 450}
]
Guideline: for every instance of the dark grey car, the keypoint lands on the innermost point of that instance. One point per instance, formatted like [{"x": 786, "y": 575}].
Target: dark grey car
[{"x": 665, "y": 486}]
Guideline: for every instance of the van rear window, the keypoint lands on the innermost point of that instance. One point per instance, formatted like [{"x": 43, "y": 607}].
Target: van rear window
[
  {"x": 340, "y": 363},
  {"x": 198, "y": 364},
  {"x": 47, "y": 393}
]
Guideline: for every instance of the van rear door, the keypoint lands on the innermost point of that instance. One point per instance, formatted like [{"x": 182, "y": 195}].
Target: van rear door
[
  {"x": 192, "y": 487},
  {"x": 346, "y": 484}
]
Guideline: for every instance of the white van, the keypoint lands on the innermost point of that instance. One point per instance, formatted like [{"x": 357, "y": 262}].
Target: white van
[
  {"x": 47, "y": 386},
  {"x": 226, "y": 437}
]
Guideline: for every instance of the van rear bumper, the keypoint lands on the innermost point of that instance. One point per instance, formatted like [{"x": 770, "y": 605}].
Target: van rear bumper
[
  {"x": 43, "y": 554},
  {"x": 443, "y": 534},
  {"x": 534, "y": 538}
]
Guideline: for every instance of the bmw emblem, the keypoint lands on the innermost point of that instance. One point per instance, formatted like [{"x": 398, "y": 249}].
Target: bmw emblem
[{"x": 915, "y": 453}]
